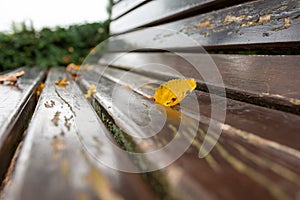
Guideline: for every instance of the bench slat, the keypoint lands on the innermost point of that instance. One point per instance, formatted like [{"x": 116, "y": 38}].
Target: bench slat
[
  {"x": 270, "y": 124},
  {"x": 255, "y": 79},
  {"x": 236, "y": 164},
  {"x": 255, "y": 25},
  {"x": 156, "y": 12},
  {"x": 125, "y": 6},
  {"x": 55, "y": 163},
  {"x": 17, "y": 105}
]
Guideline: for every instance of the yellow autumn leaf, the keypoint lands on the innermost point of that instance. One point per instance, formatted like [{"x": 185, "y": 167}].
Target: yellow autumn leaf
[
  {"x": 91, "y": 90},
  {"x": 63, "y": 83},
  {"x": 174, "y": 91}
]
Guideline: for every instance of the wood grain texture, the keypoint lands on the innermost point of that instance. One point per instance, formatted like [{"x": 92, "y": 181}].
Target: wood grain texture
[
  {"x": 254, "y": 25},
  {"x": 156, "y": 11},
  {"x": 17, "y": 103},
  {"x": 55, "y": 163},
  {"x": 270, "y": 81},
  {"x": 245, "y": 162},
  {"x": 277, "y": 126},
  {"x": 125, "y": 6}
]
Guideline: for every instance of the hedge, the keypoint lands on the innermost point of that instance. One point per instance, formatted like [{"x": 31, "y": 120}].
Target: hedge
[{"x": 47, "y": 47}]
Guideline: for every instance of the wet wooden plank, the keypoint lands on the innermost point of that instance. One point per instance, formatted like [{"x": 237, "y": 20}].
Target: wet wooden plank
[
  {"x": 254, "y": 79},
  {"x": 125, "y": 6},
  {"x": 65, "y": 149},
  {"x": 17, "y": 103},
  {"x": 277, "y": 126},
  {"x": 254, "y": 25},
  {"x": 237, "y": 163},
  {"x": 156, "y": 12}
]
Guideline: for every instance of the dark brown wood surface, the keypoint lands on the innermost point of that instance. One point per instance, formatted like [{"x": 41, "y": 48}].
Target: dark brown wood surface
[
  {"x": 154, "y": 12},
  {"x": 17, "y": 103},
  {"x": 162, "y": 11},
  {"x": 254, "y": 25},
  {"x": 125, "y": 6},
  {"x": 54, "y": 163},
  {"x": 248, "y": 161},
  {"x": 270, "y": 81},
  {"x": 277, "y": 126}
]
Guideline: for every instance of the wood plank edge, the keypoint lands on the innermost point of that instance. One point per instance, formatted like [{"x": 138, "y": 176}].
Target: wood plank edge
[
  {"x": 276, "y": 102},
  {"x": 155, "y": 180},
  {"x": 16, "y": 130}
]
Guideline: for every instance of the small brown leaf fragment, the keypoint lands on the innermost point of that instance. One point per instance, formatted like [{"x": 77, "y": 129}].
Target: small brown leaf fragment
[
  {"x": 63, "y": 83},
  {"x": 204, "y": 24},
  {"x": 248, "y": 24},
  {"x": 287, "y": 22},
  {"x": 232, "y": 18},
  {"x": 56, "y": 118},
  {"x": 19, "y": 74},
  {"x": 11, "y": 78},
  {"x": 91, "y": 90},
  {"x": 74, "y": 70},
  {"x": 52, "y": 103},
  {"x": 264, "y": 18},
  {"x": 71, "y": 67},
  {"x": 127, "y": 87}
]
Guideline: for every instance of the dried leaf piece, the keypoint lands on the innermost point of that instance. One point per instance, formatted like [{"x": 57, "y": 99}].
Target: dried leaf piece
[
  {"x": 73, "y": 70},
  {"x": 63, "y": 83},
  {"x": 232, "y": 18},
  {"x": 204, "y": 24},
  {"x": 287, "y": 22},
  {"x": 174, "y": 91},
  {"x": 11, "y": 78},
  {"x": 40, "y": 89},
  {"x": 72, "y": 67},
  {"x": 55, "y": 118},
  {"x": 91, "y": 90},
  {"x": 264, "y": 18}
]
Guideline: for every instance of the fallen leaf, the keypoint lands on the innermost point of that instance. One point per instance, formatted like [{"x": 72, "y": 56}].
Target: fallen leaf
[
  {"x": 49, "y": 105},
  {"x": 232, "y": 18},
  {"x": 40, "y": 89},
  {"x": 174, "y": 91},
  {"x": 74, "y": 70},
  {"x": 63, "y": 83},
  {"x": 11, "y": 78},
  {"x": 127, "y": 87},
  {"x": 287, "y": 22},
  {"x": 55, "y": 118},
  {"x": 72, "y": 66},
  {"x": 91, "y": 90},
  {"x": 204, "y": 24},
  {"x": 264, "y": 18}
]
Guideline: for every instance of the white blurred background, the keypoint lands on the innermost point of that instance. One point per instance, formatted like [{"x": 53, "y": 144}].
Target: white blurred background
[{"x": 51, "y": 13}]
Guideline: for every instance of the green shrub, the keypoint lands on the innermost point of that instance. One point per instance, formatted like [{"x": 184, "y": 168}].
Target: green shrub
[{"x": 47, "y": 47}]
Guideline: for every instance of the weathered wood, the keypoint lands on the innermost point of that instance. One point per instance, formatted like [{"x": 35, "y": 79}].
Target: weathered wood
[
  {"x": 57, "y": 163},
  {"x": 254, "y": 25},
  {"x": 270, "y": 81},
  {"x": 125, "y": 6},
  {"x": 277, "y": 126},
  {"x": 241, "y": 162},
  {"x": 156, "y": 12},
  {"x": 17, "y": 104}
]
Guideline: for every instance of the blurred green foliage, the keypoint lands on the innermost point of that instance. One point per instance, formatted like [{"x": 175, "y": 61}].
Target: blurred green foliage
[{"x": 49, "y": 47}]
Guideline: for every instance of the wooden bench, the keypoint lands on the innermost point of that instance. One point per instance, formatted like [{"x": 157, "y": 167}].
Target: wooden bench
[{"x": 75, "y": 148}]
